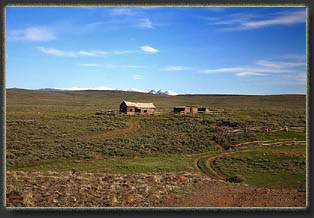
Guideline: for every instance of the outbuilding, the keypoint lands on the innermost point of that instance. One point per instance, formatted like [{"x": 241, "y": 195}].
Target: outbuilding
[
  {"x": 132, "y": 108},
  {"x": 190, "y": 109}
]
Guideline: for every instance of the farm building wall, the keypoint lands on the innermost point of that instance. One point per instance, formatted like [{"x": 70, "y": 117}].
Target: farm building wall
[
  {"x": 147, "y": 110},
  {"x": 123, "y": 107},
  {"x": 190, "y": 110},
  {"x": 179, "y": 109},
  {"x": 204, "y": 110},
  {"x": 131, "y": 110}
]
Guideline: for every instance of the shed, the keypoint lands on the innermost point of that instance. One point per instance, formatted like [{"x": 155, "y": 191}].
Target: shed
[
  {"x": 190, "y": 109},
  {"x": 180, "y": 109},
  {"x": 204, "y": 110},
  {"x": 132, "y": 108}
]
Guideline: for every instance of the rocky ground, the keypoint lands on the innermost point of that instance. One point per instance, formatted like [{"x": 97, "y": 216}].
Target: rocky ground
[
  {"x": 220, "y": 194},
  {"x": 81, "y": 189}
]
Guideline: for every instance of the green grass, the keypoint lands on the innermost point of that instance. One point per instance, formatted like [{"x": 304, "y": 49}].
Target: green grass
[
  {"x": 202, "y": 166},
  {"x": 61, "y": 131},
  {"x": 176, "y": 163},
  {"x": 284, "y": 167},
  {"x": 282, "y": 135}
]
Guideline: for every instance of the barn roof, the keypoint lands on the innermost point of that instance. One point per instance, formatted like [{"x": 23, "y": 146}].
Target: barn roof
[{"x": 139, "y": 105}]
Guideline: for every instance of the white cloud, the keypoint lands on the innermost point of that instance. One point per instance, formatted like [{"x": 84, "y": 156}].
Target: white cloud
[
  {"x": 136, "y": 90},
  {"x": 249, "y": 74},
  {"x": 41, "y": 34},
  {"x": 279, "y": 65},
  {"x": 298, "y": 79},
  {"x": 77, "y": 88},
  {"x": 89, "y": 65},
  {"x": 122, "y": 12},
  {"x": 236, "y": 22},
  {"x": 287, "y": 19},
  {"x": 263, "y": 68},
  {"x": 93, "y": 53},
  {"x": 57, "y": 52},
  {"x": 245, "y": 70},
  {"x": 223, "y": 70},
  {"x": 297, "y": 57},
  {"x": 175, "y": 68},
  {"x": 124, "y": 66},
  {"x": 121, "y": 52},
  {"x": 133, "y": 66},
  {"x": 136, "y": 77},
  {"x": 149, "y": 49},
  {"x": 216, "y": 9},
  {"x": 145, "y": 23},
  {"x": 132, "y": 90}
]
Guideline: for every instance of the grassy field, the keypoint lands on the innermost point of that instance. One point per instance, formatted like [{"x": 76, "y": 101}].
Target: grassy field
[
  {"x": 282, "y": 167},
  {"x": 62, "y": 131}
]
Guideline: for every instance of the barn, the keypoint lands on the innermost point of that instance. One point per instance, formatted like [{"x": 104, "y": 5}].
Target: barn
[
  {"x": 132, "y": 108},
  {"x": 190, "y": 109},
  {"x": 185, "y": 109},
  {"x": 204, "y": 110},
  {"x": 180, "y": 109}
]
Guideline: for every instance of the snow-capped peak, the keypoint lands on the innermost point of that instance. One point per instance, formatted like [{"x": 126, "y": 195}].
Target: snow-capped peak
[{"x": 153, "y": 91}]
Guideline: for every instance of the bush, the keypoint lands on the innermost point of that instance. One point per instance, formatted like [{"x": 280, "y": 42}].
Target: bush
[{"x": 236, "y": 179}]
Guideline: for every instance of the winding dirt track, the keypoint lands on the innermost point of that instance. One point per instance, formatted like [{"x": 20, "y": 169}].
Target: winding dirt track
[
  {"x": 218, "y": 175},
  {"x": 133, "y": 128}
]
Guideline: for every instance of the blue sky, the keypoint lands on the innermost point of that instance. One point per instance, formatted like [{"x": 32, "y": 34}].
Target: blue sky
[{"x": 201, "y": 50}]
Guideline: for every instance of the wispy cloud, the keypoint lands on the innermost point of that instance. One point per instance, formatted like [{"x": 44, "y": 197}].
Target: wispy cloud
[
  {"x": 41, "y": 34},
  {"x": 175, "y": 68},
  {"x": 57, "y": 52},
  {"x": 77, "y": 88},
  {"x": 286, "y": 19},
  {"x": 296, "y": 57},
  {"x": 93, "y": 53},
  {"x": 145, "y": 23},
  {"x": 89, "y": 65},
  {"x": 149, "y": 49},
  {"x": 136, "y": 77},
  {"x": 279, "y": 65},
  {"x": 121, "y": 52},
  {"x": 261, "y": 68},
  {"x": 216, "y": 9},
  {"x": 237, "y": 22},
  {"x": 124, "y": 66},
  {"x": 249, "y": 74},
  {"x": 122, "y": 12}
]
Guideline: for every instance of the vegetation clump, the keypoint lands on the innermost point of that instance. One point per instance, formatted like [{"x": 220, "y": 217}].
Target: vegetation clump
[{"x": 236, "y": 179}]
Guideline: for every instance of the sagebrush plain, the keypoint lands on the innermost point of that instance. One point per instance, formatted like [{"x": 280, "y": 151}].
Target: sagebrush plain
[{"x": 63, "y": 149}]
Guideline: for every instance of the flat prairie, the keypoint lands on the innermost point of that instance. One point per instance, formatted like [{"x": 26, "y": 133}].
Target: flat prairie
[{"x": 73, "y": 149}]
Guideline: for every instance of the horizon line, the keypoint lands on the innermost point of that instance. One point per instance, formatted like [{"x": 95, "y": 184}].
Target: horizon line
[{"x": 178, "y": 94}]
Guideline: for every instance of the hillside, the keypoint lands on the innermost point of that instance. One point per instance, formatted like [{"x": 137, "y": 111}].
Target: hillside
[
  {"x": 112, "y": 99},
  {"x": 110, "y": 159}
]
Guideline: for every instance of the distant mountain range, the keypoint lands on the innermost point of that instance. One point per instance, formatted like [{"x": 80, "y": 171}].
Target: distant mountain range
[
  {"x": 162, "y": 92},
  {"x": 153, "y": 91}
]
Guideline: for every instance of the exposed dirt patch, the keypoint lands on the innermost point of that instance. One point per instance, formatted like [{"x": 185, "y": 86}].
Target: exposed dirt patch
[
  {"x": 217, "y": 194},
  {"x": 134, "y": 126}
]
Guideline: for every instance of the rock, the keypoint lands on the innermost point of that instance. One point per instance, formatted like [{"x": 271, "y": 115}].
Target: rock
[
  {"x": 182, "y": 178},
  {"x": 129, "y": 198},
  {"x": 114, "y": 199}
]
